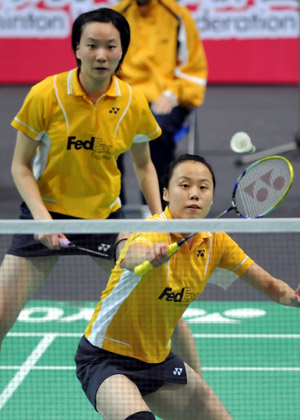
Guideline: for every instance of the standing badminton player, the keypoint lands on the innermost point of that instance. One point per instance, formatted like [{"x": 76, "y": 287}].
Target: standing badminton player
[
  {"x": 71, "y": 129},
  {"x": 124, "y": 360}
]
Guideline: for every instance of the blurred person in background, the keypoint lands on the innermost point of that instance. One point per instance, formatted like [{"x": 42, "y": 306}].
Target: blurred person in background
[{"x": 167, "y": 62}]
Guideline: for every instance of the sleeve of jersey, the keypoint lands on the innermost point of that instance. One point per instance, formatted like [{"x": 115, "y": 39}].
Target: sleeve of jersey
[
  {"x": 233, "y": 258},
  {"x": 190, "y": 75},
  {"x": 148, "y": 128},
  {"x": 31, "y": 119}
]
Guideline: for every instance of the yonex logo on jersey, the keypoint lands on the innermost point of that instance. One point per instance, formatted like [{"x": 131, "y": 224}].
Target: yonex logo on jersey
[
  {"x": 114, "y": 110},
  {"x": 177, "y": 371},
  {"x": 200, "y": 252},
  {"x": 80, "y": 144},
  {"x": 104, "y": 247}
]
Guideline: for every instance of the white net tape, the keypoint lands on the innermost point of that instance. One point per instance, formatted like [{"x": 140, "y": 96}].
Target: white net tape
[{"x": 137, "y": 225}]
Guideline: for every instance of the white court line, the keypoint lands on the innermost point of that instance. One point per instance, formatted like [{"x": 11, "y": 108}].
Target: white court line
[
  {"x": 26, "y": 367},
  {"x": 196, "y": 335},
  {"x": 14, "y": 367},
  {"x": 42, "y": 334}
]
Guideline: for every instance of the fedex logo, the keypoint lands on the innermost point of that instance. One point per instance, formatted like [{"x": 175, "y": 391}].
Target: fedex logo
[
  {"x": 99, "y": 149},
  {"x": 184, "y": 295},
  {"x": 80, "y": 144}
]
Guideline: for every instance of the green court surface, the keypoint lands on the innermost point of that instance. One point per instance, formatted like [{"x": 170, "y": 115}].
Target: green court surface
[{"x": 249, "y": 352}]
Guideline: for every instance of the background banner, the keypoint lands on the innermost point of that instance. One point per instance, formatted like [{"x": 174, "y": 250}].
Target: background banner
[{"x": 246, "y": 41}]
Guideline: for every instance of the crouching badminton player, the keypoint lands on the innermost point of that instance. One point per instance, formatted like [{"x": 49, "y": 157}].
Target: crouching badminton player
[{"x": 124, "y": 361}]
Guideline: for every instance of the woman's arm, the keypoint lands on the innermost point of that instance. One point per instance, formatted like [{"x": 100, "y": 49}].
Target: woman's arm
[
  {"x": 25, "y": 182},
  {"x": 146, "y": 175},
  {"x": 275, "y": 289},
  {"x": 27, "y": 186}
]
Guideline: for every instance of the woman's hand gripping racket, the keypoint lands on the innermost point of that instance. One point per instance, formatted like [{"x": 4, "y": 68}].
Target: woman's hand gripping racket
[
  {"x": 261, "y": 187},
  {"x": 146, "y": 266}
]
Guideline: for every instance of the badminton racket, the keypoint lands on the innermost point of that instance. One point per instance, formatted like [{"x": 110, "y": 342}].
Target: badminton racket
[
  {"x": 146, "y": 266},
  {"x": 65, "y": 243},
  {"x": 261, "y": 187}
]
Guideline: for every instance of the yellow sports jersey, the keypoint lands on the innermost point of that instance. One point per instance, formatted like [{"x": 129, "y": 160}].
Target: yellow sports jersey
[
  {"x": 136, "y": 315},
  {"x": 79, "y": 141}
]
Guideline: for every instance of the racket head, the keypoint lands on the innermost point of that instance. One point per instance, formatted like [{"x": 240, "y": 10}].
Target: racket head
[{"x": 262, "y": 187}]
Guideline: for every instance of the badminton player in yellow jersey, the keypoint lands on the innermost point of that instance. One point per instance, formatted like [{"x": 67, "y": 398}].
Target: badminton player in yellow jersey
[
  {"x": 124, "y": 361},
  {"x": 71, "y": 129}
]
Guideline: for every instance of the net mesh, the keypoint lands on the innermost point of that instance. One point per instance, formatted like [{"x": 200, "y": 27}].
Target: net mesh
[{"x": 248, "y": 346}]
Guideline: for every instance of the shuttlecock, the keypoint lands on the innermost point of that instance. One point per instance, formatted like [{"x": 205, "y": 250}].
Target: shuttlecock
[{"x": 241, "y": 143}]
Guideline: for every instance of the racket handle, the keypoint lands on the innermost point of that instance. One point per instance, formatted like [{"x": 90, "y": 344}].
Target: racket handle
[
  {"x": 64, "y": 243},
  {"x": 172, "y": 249},
  {"x": 146, "y": 266},
  {"x": 143, "y": 268}
]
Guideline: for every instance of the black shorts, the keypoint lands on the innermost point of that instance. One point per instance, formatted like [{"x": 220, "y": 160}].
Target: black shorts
[
  {"x": 24, "y": 245},
  {"x": 94, "y": 365}
]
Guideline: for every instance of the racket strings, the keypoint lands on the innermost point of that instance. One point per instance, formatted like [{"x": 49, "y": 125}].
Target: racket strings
[{"x": 261, "y": 188}]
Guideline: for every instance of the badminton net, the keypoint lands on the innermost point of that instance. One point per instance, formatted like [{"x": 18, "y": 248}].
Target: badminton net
[{"x": 248, "y": 346}]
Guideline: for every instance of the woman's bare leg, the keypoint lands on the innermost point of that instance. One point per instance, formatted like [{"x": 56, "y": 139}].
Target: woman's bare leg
[
  {"x": 194, "y": 401},
  {"x": 20, "y": 278},
  {"x": 118, "y": 398}
]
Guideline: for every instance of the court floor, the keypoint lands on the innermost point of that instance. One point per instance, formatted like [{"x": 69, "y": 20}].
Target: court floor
[{"x": 249, "y": 353}]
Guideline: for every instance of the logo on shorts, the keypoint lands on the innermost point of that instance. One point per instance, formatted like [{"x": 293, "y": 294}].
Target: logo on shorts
[
  {"x": 177, "y": 371},
  {"x": 104, "y": 247}
]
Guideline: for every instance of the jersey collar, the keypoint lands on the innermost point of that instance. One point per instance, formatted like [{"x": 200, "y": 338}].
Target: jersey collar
[
  {"x": 114, "y": 88},
  {"x": 200, "y": 236},
  {"x": 77, "y": 90}
]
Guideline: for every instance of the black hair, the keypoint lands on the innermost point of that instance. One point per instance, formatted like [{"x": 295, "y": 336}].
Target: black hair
[
  {"x": 102, "y": 15},
  {"x": 183, "y": 158}
]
